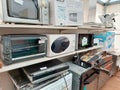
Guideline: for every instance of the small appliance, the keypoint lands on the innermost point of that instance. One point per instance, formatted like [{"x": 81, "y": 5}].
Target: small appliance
[
  {"x": 105, "y": 39},
  {"x": 60, "y": 44},
  {"x": 66, "y": 12},
  {"x": 84, "y": 41},
  {"x": 83, "y": 77},
  {"x": 24, "y": 11},
  {"x": 21, "y": 82},
  {"x": 40, "y": 72},
  {"x": 17, "y": 48}
]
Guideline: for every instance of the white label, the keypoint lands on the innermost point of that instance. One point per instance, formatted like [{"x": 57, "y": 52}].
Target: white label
[
  {"x": 43, "y": 68},
  {"x": 96, "y": 41},
  {"x": 82, "y": 64},
  {"x": 19, "y": 2},
  {"x": 84, "y": 41}
]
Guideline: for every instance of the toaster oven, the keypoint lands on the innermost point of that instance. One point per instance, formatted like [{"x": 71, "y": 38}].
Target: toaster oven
[{"x": 20, "y": 47}]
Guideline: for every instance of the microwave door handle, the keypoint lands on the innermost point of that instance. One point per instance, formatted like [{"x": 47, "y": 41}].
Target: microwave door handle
[
  {"x": 40, "y": 10},
  {"x": 44, "y": 4}
]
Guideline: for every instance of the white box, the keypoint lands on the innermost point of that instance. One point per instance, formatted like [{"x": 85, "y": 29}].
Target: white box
[
  {"x": 74, "y": 13},
  {"x": 66, "y": 12}
]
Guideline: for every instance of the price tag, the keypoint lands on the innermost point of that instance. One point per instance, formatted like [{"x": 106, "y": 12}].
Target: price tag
[{"x": 19, "y": 2}]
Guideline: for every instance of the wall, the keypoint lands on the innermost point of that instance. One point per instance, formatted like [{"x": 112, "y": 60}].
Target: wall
[
  {"x": 99, "y": 11},
  {"x": 115, "y": 8},
  {"x": 5, "y": 82},
  {"x": 92, "y": 11}
]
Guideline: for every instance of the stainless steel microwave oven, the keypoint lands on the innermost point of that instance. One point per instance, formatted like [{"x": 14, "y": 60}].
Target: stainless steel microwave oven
[{"x": 24, "y": 11}]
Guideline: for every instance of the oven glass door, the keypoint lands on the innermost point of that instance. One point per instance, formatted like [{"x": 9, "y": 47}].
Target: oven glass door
[
  {"x": 27, "y": 47},
  {"x": 60, "y": 44}
]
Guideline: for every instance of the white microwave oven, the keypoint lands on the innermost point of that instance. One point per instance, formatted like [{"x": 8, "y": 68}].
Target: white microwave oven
[
  {"x": 66, "y": 12},
  {"x": 24, "y": 11},
  {"x": 60, "y": 44}
]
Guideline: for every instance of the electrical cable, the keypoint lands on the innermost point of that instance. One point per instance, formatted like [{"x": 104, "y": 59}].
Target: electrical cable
[{"x": 65, "y": 82}]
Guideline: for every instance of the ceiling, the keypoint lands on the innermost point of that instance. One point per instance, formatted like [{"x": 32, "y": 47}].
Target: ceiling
[{"x": 109, "y": 2}]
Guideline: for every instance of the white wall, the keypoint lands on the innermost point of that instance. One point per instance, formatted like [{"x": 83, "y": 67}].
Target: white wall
[
  {"x": 116, "y": 9},
  {"x": 117, "y": 42},
  {"x": 99, "y": 11}
]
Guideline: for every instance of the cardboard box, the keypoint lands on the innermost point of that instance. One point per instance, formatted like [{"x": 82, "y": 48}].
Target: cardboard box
[
  {"x": 106, "y": 39},
  {"x": 66, "y": 12}
]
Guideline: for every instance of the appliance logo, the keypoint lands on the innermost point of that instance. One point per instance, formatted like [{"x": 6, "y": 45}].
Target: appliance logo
[{"x": 60, "y": 44}]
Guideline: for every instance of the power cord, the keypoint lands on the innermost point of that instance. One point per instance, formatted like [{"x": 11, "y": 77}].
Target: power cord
[{"x": 65, "y": 82}]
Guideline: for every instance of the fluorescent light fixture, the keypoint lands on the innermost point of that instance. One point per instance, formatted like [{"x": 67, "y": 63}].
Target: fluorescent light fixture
[
  {"x": 104, "y": 1},
  {"x": 113, "y": 0}
]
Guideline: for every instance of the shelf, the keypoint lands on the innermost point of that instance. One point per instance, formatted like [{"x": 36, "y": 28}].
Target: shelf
[
  {"x": 88, "y": 29},
  {"x": 39, "y": 29},
  {"x": 21, "y": 26},
  {"x": 32, "y": 29},
  {"x": 96, "y": 29},
  {"x": 31, "y": 62},
  {"x": 115, "y": 52},
  {"x": 35, "y": 27},
  {"x": 88, "y": 49},
  {"x": 39, "y": 60}
]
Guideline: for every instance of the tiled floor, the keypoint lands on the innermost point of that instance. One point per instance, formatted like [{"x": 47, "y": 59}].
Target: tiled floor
[{"x": 113, "y": 83}]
